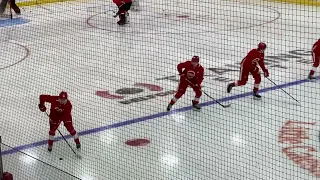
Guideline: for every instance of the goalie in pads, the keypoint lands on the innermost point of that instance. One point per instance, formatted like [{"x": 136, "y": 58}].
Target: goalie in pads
[{"x": 13, "y": 5}]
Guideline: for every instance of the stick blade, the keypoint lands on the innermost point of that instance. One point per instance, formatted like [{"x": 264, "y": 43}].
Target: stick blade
[{"x": 226, "y": 106}]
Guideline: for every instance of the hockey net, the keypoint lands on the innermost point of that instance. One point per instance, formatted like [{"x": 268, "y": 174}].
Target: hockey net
[{"x": 121, "y": 79}]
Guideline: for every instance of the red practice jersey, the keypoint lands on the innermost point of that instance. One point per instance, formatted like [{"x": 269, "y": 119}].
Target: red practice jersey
[
  {"x": 316, "y": 48},
  {"x": 253, "y": 59},
  {"x": 193, "y": 74},
  {"x": 56, "y": 109},
  {"x": 119, "y": 2}
]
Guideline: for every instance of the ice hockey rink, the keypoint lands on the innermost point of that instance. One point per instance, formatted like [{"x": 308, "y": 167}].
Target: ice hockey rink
[{"x": 120, "y": 80}]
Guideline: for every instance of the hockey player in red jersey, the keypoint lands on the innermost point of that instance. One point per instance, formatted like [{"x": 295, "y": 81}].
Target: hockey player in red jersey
[
  {"x": 60, "y": 111},
  {"x": 250, "y": 65},
  {"x": 123, "y": 7},
  {"x": 191, "y": 74},
  {"x": 315, "y": 58}
]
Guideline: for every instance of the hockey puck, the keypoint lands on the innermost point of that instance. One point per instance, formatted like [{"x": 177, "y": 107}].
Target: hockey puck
[
  {"x": 138, "y": 142},
  {"x": 60, "y": 158}
]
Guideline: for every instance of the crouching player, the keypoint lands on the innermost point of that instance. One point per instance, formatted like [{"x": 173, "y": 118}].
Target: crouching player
[{"x": 123, "y": 8}]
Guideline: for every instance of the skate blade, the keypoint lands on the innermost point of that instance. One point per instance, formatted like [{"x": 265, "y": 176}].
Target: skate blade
[
  {"x": 123, "y": 24},
  {"x": 256, "y": 98},
  {"x": 195, "y": 109}
]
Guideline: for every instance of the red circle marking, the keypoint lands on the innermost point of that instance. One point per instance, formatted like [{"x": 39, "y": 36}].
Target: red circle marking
[
  {"x": 138, "y": 142},
  {"x": 20, "y": 60}
]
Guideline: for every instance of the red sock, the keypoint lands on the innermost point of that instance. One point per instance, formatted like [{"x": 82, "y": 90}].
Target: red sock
[
  {"x": 172, "y": 102},
  {"x": 77, "y": 141},
  {"x": 311, "y": 73},
  {"x": 50, "y": 142}
]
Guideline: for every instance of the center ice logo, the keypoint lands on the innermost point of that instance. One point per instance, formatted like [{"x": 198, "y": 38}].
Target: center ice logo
[
  {"x": 298, "y": 146},
  {"x": 219, "y": 73},
  {"x": 138, "y": 88}
]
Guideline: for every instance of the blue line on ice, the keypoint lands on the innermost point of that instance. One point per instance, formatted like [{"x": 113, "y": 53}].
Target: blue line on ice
[{"x": 150, "y": 117}]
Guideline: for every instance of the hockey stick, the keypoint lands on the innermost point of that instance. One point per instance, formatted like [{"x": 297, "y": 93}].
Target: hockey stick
[
  {"x": 116, "y": 14},
  {"x": 225, "y": 106},
  {"x": 282, "y": 89},
  {"x": 78, "y": 155},
  {"x": 113, "y": 11}
]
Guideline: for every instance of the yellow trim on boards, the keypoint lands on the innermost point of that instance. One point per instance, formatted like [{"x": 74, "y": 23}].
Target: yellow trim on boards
[
  {"x": 315, "y": 3},
  {"x": 38, "y": 2}
]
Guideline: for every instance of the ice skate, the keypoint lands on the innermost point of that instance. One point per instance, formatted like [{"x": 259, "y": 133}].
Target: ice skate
[
  {"x": 49, "y": 148},
  {"x": 312, "y": 78},
  {"x": 256, "y": 96},
  {"x": 78, "y": 146},
  {"x": 229, "y": 87},
  {"x": 196, "y": 106},
  {"x": 123, "y": 19},
  {"x": 169, "y": 107},
  {"x": 121, "y": 22}
]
